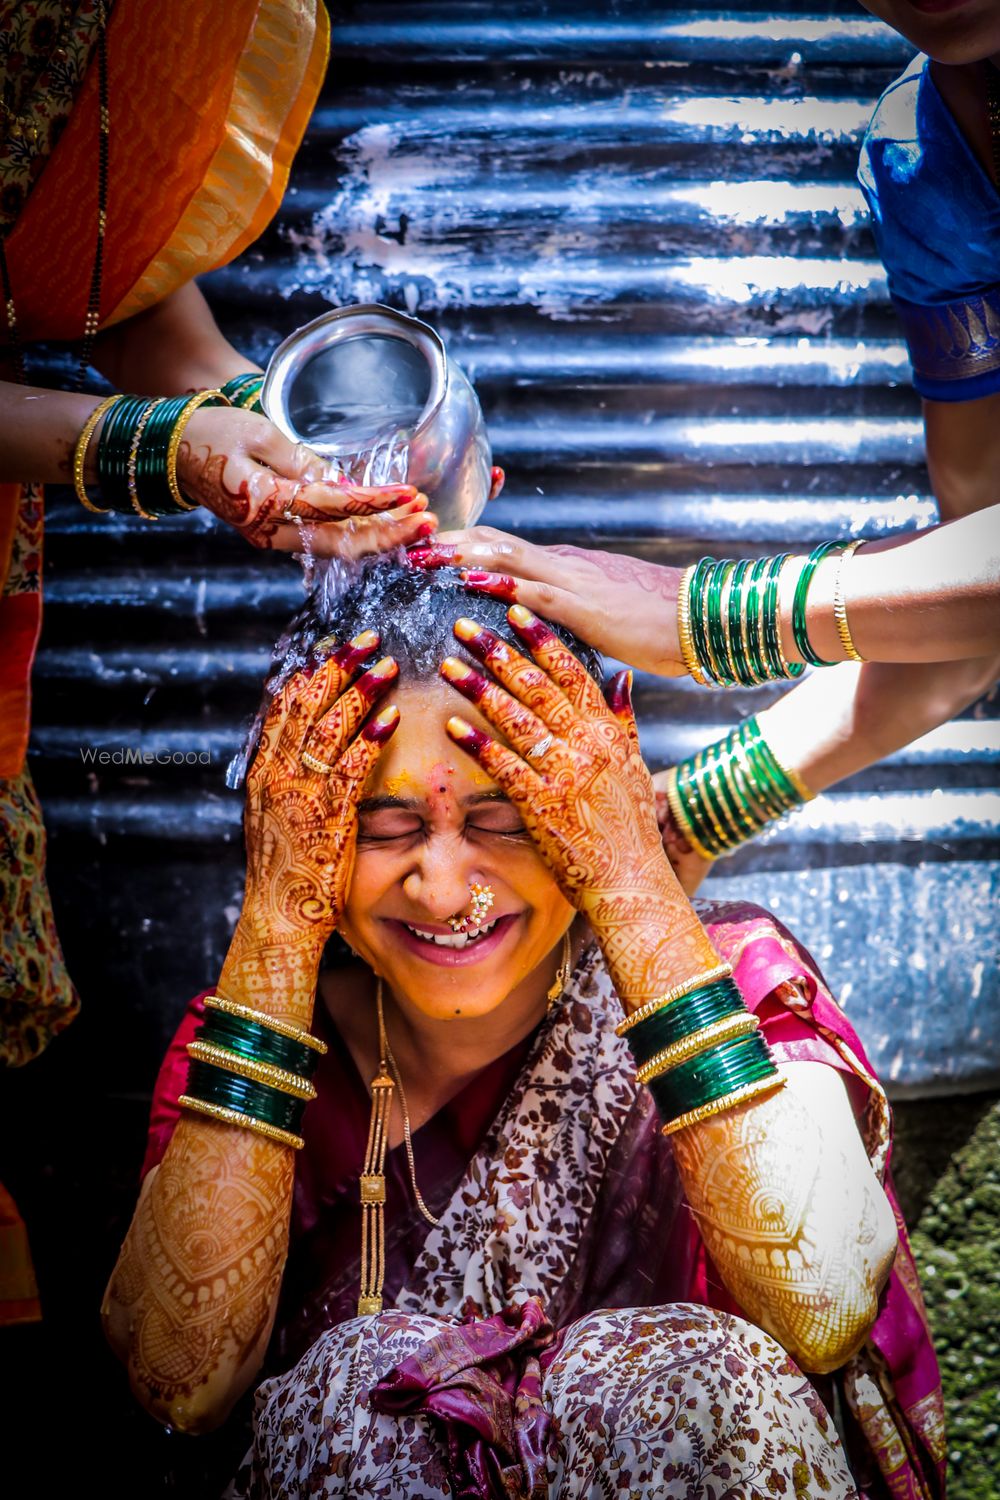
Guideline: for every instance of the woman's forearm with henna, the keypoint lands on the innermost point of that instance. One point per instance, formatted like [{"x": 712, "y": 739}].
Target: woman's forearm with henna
[
  {"x": 191, "y": 1301},
  {"x": 792, "y": 1215}
]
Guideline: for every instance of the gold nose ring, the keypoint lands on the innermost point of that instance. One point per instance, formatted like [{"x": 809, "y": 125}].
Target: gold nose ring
[{"x": 482, "y": 901}]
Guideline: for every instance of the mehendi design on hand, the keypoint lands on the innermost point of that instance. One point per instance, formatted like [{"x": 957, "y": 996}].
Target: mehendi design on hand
[
  {"x": 587, "y": 800},
  {"x": 789, "y": 1225},
  {"x": 200, "y": 1269},
  {"x": 301, "y": 823}
]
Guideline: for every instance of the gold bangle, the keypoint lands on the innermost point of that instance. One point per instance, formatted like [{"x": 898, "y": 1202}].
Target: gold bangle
[
  {"x": 840, "y": 604},
  {"x": 685, "y": 634},
  {"x": 177, "y": 432},
  {"x": 742, "y": 1095},
  {"x": 721, "y": 971},
  {"x": 246, "y": 1122},
  {"x": 80, "y": 454},
  {"x": 261, "y": 1017},
  {"x": 253, "y": 1068},
  {"x": 726, "y": 1029},
  {"x": 133, "y": 458},
  {"x": 681, "y": 818}
]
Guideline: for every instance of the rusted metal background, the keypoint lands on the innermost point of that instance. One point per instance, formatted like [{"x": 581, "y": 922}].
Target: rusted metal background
[{"x": 638, "y": 228}]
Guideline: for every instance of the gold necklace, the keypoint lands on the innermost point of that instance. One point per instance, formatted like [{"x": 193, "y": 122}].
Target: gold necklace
[{"x": 372, "y": 1183}]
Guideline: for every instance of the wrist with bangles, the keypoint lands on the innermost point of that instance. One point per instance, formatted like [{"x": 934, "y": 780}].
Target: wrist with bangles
[
  {"x": 729, "y": 617},
  {"x": 731, "y": 790},
  {"x": 699, "y": 1050},
  {"x": 138, "y": 447},
  {"x": 250, "y": 1070}
]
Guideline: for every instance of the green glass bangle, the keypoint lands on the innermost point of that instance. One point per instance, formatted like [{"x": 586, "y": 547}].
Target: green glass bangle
[
  {"x": 777, "y": 665},
  {"x": 739, "y": 815},
  {"x": 799, "y": 628},
  {"x": 151, "y": 465},
  {"x": 763, "y": 758},
  {"x": 113, "y": 451},
  {"x": 730, "y": 836},
  {"x": 214, "y": 1085},
  {"x": 768, "y": 772},
  {"x": 689, "y": 793},
  {"x": 237, "y": 384},
  {"x": 712, "y": 1074},
  {"x": 257, "y": 1043},
  {"x": 699, "y": 632},
  {"x": 768, "y": 790},
  {"x": 761, "y": 802},
  {"x": 681, "y": 1018},
  {"x": 724, "y": 674},
  {"x": 738, "y": 653},
  {"x": 753, "y": 634}
]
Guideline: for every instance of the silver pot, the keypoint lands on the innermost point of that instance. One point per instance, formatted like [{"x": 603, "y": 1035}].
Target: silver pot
[{"x": 374, "y": 391}]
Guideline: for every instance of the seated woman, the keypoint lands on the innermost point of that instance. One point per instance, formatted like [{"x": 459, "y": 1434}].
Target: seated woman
[{"x": 503, "y": 1278}]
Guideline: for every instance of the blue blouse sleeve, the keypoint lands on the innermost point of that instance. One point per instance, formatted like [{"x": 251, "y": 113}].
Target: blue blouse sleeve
[{"x": 936, "y": 217}]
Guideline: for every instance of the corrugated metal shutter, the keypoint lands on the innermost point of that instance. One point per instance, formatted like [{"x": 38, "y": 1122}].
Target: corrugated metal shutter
[{"x": 639, "y": 230}]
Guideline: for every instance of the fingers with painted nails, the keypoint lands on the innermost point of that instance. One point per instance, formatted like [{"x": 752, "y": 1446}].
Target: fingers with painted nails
[{"x": 623, "y": 606}]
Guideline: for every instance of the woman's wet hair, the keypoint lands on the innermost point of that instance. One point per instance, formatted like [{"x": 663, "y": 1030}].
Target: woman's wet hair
[{"x": 413, "y": 610}]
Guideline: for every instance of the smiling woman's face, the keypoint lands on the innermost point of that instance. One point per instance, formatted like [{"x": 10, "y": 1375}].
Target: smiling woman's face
[
  {"x": 431, "y": 823},
  {"x": 952, "y": 31}
]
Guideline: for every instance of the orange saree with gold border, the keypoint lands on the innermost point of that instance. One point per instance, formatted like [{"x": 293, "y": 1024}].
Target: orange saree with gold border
[{"x": 208, "y": 105}]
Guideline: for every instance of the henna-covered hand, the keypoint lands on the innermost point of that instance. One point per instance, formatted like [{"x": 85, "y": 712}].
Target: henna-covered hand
[
  {"x": 301, "y": 822},
  {"x": 624, "y": 607},
  {"x": 282, "y": 495},
  {"x": 575, "y": 772}
]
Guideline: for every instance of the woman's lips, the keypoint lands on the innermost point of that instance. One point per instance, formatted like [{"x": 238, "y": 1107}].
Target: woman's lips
[{"x": 433, "y": 953}]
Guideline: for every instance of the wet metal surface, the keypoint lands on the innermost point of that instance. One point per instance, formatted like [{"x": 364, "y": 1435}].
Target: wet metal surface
[{"x": 637, "y": 229}]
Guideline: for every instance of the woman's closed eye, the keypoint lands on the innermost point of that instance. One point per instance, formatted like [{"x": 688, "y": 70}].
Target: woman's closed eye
[{"x": 386, "y": 825}]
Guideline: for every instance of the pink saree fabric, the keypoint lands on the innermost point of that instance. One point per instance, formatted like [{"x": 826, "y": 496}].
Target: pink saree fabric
[{"x": 588, "y": 1214}]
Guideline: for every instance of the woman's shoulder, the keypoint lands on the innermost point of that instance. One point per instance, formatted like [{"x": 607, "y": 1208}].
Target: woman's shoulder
[{"x": 935, "y": 215}]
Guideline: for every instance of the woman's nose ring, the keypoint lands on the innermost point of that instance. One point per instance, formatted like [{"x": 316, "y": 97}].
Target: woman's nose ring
[{"x": 482, "y": 901}]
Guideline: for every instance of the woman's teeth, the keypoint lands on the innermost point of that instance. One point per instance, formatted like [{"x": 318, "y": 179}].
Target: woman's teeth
[{"x": 453, "y": 939}]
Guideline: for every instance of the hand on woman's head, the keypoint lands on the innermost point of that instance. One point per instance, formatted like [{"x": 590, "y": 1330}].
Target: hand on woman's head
[
  {"x": 622, "y": 606},
  {"x": 571, "y": 764},
  {"x": 317, "y": 749},
  {"x": 278, "y": 494}
]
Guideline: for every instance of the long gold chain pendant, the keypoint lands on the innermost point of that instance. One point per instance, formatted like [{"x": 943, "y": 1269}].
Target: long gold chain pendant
[{"x": 373, "y": 1197}]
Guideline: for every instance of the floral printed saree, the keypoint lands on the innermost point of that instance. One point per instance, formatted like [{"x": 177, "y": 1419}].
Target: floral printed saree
[{"x": 562, "y": 1330}]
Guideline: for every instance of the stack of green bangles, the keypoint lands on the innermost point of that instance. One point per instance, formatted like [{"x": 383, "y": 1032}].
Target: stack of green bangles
[
  {"x": 244, "y": 391},
  {"x": 250, "y": 1070},
  {"x": 728, "y": 619},
  {"x": 139, "y": 444},
  {"x": 699, "y": 1050},
  {"x": 729, "y": 791}
]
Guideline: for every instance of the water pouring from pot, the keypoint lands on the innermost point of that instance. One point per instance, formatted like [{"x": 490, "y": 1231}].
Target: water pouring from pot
[{"x": 375, "y": 392}]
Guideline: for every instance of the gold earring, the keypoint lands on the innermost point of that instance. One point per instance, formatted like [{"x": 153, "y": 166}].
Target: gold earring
[{"x": 554, "y": 992}]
